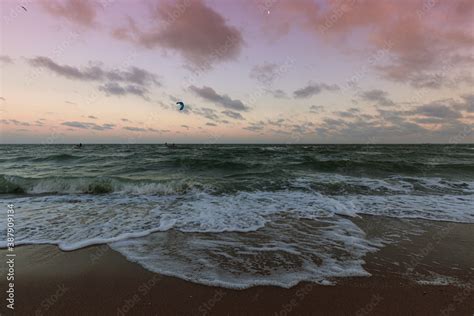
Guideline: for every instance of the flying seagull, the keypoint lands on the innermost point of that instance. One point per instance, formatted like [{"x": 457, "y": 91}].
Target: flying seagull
[
  {"x": 180, "y": 104},
  {"x": 24, "y": 8}
]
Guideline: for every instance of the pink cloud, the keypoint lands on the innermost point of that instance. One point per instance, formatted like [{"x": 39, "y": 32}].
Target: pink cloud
[
  {"x": 199, "y": 33},
  {"x": 81, "y": 12},
  {"x": 424, "y": 33}
]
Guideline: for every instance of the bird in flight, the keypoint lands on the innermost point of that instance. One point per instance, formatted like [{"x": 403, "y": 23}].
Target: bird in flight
[{"x": 24, "y": 8}]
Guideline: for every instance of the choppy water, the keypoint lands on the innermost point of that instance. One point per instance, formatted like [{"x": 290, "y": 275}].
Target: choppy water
[{"x": 232, "y": 215}]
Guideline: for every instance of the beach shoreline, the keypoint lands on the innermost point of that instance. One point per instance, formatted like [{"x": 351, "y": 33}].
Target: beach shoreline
[{"x": 97, "y": 280}]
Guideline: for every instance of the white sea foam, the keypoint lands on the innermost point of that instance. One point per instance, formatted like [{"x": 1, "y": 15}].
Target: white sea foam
[
  {"x": 234, "y": 240},
  {"x": 280, "y": 254}
]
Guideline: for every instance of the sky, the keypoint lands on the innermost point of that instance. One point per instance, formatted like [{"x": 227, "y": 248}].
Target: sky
[{"x": 261, "y": 71}]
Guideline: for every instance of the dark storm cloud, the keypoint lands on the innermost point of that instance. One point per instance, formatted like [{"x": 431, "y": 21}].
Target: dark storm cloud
[
  {"x": 313, "y": 89},
  {"x": 223, "y": 100}
]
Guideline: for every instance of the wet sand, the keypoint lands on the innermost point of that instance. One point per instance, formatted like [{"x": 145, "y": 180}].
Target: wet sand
[{"x": 99, "y": 281}]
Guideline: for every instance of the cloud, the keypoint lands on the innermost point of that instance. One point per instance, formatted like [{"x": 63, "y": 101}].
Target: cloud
[
  {"x": 211, "y": 124},
  {"x": 313, "y": 89},
  {"x": 255, "y": 126},
  {"x": 265, "y": 73},
  {"x": 378, "y": 96},
  {"x": 80, "y": 12},
  {"x": 88, "y": 125},
  {"x": 113, "y": 88},
  {"x": 467, "y": 103},
  {"x": 224, "y": 100},
  {"x": 135, "y": 129},
  {"x": 133, "y": 75},
  {"x": 14, "y": 122},
  {"x": 437, "y": 109},
  {"x": 92, "y": 117},
  {"x": 316, "y": 109},
  {"x": 350, "y": 113},
  {"x": 198, "y": 32},
  {"x": 134, "y": 80},
  {"x": 278, "y": 93},
  {"x": 278, "y": 122},
  {"x": 6, "y": 59},
  {"x": 234, "y": 115},
  {"x": 418, "y": 43},
  {"x": 208, "y": 113},
  {"x": 429, "y": 120}
]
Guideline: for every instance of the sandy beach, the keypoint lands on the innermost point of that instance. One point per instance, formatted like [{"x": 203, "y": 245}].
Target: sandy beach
[{"x": 99, "y": 281}]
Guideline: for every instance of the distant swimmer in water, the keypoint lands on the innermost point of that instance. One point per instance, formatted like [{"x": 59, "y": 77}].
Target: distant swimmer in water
[{"x": 78, "y": 146}]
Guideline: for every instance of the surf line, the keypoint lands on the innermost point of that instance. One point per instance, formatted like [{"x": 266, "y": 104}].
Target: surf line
[{"x": 10, "y": 256}]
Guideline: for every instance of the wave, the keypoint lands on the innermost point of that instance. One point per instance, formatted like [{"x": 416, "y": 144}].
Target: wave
[
  {"x": 93, "y": 185},
  {"x": 56, "y": 157},
  {"x": 324, "y": 183},
  {"x": 74, "y": 219},
  {"x": 232, "y": 240},
  {"x": 374, "y": 167}
]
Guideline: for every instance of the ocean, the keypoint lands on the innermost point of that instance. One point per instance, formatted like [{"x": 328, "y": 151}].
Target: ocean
[{"x": 236, "y": 216}]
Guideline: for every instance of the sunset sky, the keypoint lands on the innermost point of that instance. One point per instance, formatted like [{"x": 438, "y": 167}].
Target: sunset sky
[{"x": 272, "y": 71}]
